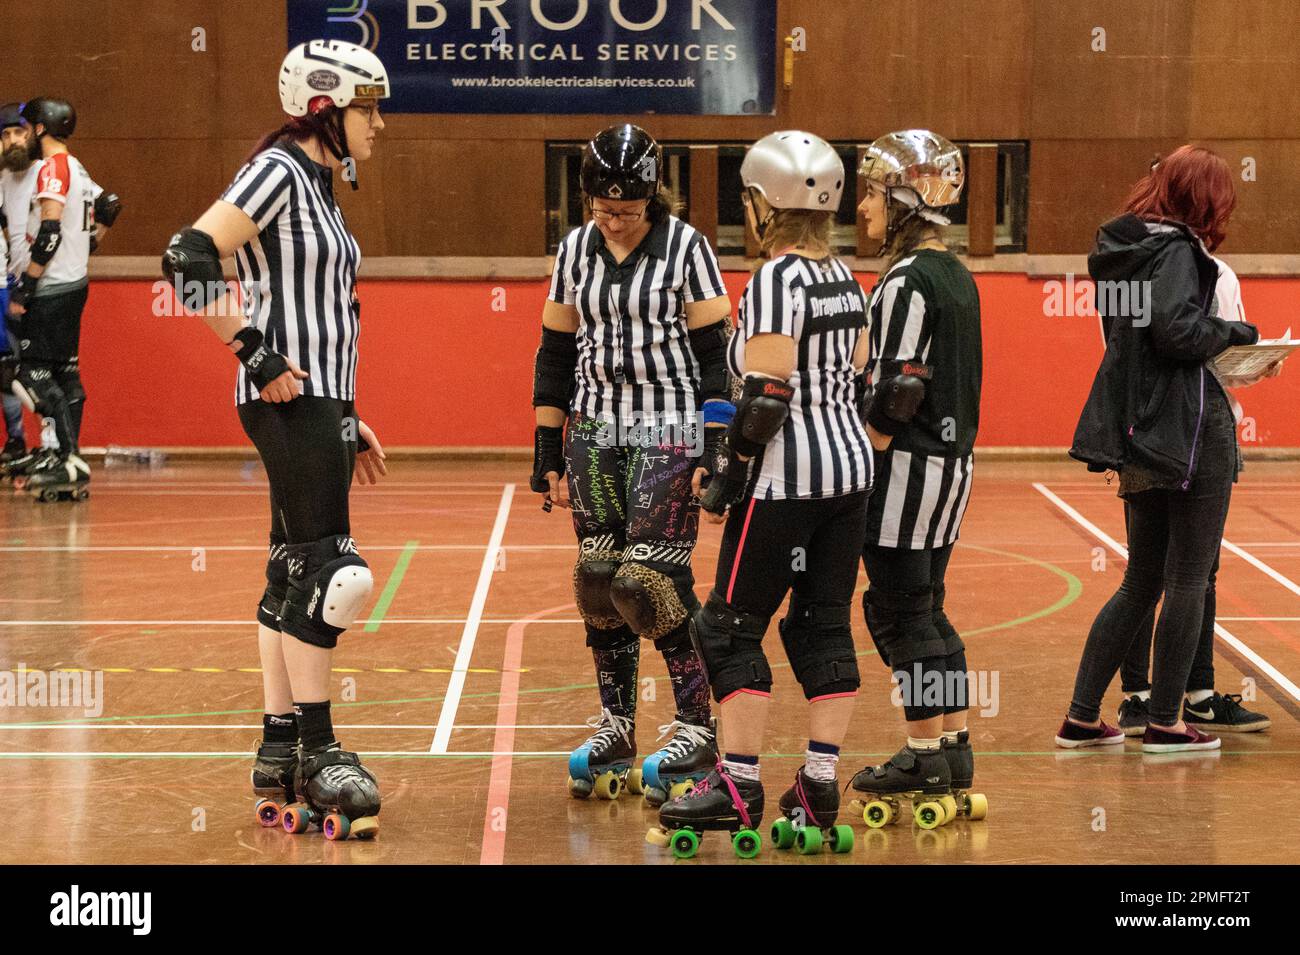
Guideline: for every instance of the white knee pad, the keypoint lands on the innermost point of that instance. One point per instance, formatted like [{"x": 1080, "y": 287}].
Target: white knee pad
[{"x": 343, "y": 593}]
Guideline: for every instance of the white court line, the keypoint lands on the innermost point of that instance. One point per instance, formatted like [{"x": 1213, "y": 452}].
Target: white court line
[
  {"x": 258, "y": 726},
  {"x": 1258, "y": 564},
  {"x": 148, "y": 754},
  {"x": 261, "y": 548},
  {"x": 252, "y": 623},
  {"x": 1276, "y": 675},
  {"x": 1257, "y": 618},
  {"x": 451, "y": 701},
  {"x": 1271, "y": 544}
]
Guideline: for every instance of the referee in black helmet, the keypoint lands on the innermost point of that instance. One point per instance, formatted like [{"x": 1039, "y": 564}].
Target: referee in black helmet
[
  {"x": 633, "y": 355},
  {"x": 296, "y": 339}
]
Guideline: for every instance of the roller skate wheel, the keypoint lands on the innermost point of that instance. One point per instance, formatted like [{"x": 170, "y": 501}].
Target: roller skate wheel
[
  {"x": 635, "y": 782},
  {"x": 608, "y": 786},
  {"x": 295, "y": 819},
  {"x": 685, "y": 844},
  {"x": 808, "y": 841},
  {"x": 655, "y": 797},
  {"x": 679, "y": 790},
  {"x": 928, "y": 815},
  {"x": 82, "y": 495},
  {"x": 841, "y": 839},
  {"x": 268, "y": 813},
  {"x": 366, "y": 827},
  {"x": 336, "y": 827},
  {"x": 949, "y": 808},
  {"x": 783, "y": 834},
  {"x": 657, "y": 837},
  {"x": 579, "y": 788},
  {"x": 746, "y": 843},
  {"x": 977, "y": 806},
  {"x": 877, "y": 814}
]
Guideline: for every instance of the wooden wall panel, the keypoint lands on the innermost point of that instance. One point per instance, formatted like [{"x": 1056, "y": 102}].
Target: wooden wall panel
[{"x": 1246, "y": 61}]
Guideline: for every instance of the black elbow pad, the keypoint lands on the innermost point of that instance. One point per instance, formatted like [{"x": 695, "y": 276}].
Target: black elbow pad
[
  {"x": 193, "y": 263},
  {"x": 48, "y": 238},
  {"x": 107, "y": 206},
  {"x": 554, "y": 378}
]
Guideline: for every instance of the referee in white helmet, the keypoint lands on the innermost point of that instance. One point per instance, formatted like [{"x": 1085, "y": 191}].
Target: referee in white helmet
[{"x": 295, "y": 336}]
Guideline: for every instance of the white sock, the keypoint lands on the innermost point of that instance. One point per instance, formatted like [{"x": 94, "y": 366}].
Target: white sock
[
  {"x": 924, "y": 744},
  {"x": 820, "y": 766},
  {"x": 747, "y": 771},
  {"x": 1143, "y": 695},
  {"x": 1199, "y": 696}
]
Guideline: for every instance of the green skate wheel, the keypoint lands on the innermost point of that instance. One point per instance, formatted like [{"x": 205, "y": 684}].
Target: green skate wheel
[
  {"x": 809, "y": 840},
  {"x": 928, "y": 815},
  {"x": 579, "y": 788},
  {"x": 635, "y": 782},
  {"x": 877, "y": 814},
  {"x": 746, "y": 843},
  {"x": 685, "y": 844},
  {"x": 783, "y": 834},
  {"x": 841, "y": 839},
  {"x": 977, "y": 806}
]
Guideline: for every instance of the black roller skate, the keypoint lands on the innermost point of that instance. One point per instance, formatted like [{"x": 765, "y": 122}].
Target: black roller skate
[
  {"x": 688, "y": 756},
  {"x": 63, "y": 479},
  {"x": 961, "y": 764},
  {"x": 334, "y": 792},
  {"x": 920, "y": 776},
  {"x": 603, "y": 764},
  {"x": 272, "y": 778},
  {"x": 20, "y": 468},
  {"x": 14, "y": 449},
  {"x": 808, "y": 812},
  {"x": 716, "y": 802}
]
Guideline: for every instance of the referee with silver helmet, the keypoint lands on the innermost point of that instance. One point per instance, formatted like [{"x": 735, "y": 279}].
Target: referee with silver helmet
[
  {"x": 795, "y": 488},
  {"x": 295, "y": 335},
  {"x": 926, "y": 366}
]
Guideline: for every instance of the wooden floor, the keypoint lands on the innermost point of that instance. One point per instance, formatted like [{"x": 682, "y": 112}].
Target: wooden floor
[{"x": 470, "y": 682}]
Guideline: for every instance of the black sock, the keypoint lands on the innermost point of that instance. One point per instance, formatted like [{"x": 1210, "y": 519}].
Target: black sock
[
  {"x": 616, "y": 670},
  {"x": 281, "y": 728},
  {"x": 315, "y": 728}
]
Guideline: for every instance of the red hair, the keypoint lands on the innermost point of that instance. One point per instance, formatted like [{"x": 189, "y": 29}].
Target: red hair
[
  {"x": 1191, "y": 185},
  {"x": 319, "y": 113}
]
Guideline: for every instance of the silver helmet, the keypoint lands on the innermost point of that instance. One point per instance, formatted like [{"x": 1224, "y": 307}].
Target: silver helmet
[
  {"x": 795, "y": 170},
  {"x": 916, "y": 160}
]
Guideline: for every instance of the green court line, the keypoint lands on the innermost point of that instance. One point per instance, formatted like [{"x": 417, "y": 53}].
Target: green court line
[
  {"x": 421, "y": 755},
  {"x": 1073, "y": 590},
  {"x": 390, "y": 589}
]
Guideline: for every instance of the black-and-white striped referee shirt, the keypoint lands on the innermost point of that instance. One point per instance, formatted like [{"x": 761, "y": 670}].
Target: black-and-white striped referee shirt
[
  {"x": 822, "y": 449},
  {"x": 298, "y": 275},
  {"x": 926, "y": 310},
  {"x": 634, "y": 356}
]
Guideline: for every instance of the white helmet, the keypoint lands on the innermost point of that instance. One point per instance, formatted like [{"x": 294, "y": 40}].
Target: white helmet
[
  {"x": 334, "y": 68},
  {"x": 795, "y": 170}
]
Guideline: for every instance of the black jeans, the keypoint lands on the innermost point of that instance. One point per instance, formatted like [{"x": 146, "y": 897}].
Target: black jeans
[{"x": 1174, "y": 539}]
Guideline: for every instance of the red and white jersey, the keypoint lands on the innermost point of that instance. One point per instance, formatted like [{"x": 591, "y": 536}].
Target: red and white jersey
[
  {"x": 16, "y": 200},
  {"x": 62, "y": 178}
]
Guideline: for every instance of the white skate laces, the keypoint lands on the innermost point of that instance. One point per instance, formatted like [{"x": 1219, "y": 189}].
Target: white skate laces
[
  {"x": 609, "y": 727},
  {"x": 685, "y": 737}
]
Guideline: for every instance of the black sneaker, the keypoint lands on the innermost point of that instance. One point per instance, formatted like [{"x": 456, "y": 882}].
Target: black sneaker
[
  {"x": 1224, "y": 714},
  {"x": 1134, "y": 714}
]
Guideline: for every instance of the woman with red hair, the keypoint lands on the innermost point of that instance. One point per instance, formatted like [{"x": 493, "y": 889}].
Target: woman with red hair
[{"x": 1159, "y": 416}]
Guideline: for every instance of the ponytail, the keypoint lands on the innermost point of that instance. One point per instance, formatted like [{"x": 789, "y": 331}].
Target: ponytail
[{"x": 324, "y": 123}]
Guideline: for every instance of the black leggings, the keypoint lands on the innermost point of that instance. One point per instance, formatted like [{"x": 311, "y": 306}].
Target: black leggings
[{"x": 309, "y": 457}]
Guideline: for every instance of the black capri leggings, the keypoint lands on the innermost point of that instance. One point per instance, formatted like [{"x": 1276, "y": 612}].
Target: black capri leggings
[{"x": 309, "y": 457}]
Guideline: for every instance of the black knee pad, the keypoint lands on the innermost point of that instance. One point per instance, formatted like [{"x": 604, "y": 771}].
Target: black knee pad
[
  {"x": 951, "y": 638},
  {"x": 36, "y": 388},
  {"x": 650, "y": 600},
  {"x": 730, "y": 644},
  {"x": 328, "y": 585},
  {"x": 818, "y": 640},
  {"x": 277, "y": 586},
  {"x": 598, "y": 559},
  {"x": 901, "y": 626},
  {"x": 612, "y": 638},
  {"x": 921, "y": 687},
  {"x": 957, "y": 694},
  {"x": 68, "y": 376}
]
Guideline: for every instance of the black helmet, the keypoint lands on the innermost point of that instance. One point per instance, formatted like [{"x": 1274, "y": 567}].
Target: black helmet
[
  {"x": 57, "y": 115},
  {"x": 11, "y": 114},
  {"x": 622, "y": 162}
]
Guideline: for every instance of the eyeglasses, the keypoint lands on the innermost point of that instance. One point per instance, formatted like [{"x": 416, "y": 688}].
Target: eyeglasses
[
  {"x": 602, "y": 215},
  {"x": 371, "y": 111}
]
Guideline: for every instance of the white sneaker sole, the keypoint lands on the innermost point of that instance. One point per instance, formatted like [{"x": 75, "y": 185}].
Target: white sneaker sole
[
  {"x": 1181, "y": 747},
  {"x": 1083, "y": 743}
]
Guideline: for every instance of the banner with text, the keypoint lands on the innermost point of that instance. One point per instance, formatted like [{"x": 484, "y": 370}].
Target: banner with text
[{"x": 715, "y": 57}]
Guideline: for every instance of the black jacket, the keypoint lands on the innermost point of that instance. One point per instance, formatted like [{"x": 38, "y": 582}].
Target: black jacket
[{"x": 1148, "y": 399}]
